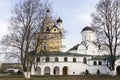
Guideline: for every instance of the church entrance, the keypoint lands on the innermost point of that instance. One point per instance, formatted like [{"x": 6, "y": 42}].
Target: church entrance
[
  {"x": 38, "y": 71},
  {"x": 47, "y": 71},
  {"x": 65, "y": 70},
  {"x": 56, "y": 71},
  {"x": 118, "y": 70}
]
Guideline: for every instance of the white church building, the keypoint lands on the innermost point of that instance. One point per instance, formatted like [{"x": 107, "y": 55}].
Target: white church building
[{"x": 86, "y": 56}]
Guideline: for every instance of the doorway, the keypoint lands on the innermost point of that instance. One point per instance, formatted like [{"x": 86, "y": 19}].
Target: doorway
[
  {"x": 65, "y": 70},
  {"x": 56, "y": 71},
  {"x": 118, "y": 70}
]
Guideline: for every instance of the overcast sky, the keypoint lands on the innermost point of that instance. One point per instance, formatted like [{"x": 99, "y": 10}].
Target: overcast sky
[{"x": 75, "y": 15}]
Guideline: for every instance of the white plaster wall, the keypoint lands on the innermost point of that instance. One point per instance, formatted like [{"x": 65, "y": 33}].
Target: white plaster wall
[
  {"x": 15, "y": 70},
  {"x": 74, "y": 68},
  {"x": 69, "y": 58},
  {"x": 81, "y": 49},
  {"x": 90, "y": 62},
  {"x": 91, "y": 50},
  {"x": 103, "y": 69},
  {"x": 88, "y": 35}
]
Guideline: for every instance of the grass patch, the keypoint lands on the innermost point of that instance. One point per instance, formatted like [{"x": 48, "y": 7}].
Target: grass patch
[{"x": 87, "y": 77}]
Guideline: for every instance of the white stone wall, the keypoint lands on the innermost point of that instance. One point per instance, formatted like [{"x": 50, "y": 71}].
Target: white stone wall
[
  {"x": 74, "y": 68},
  {"x": 88, "y": 35},
  {"x": 13, "y": 69},
  {"x": 69, "y": 58},
  {"x": 90, "y": 62},
  {"x": 92, "y": 49},
  {"x": 103, "y": 69}
]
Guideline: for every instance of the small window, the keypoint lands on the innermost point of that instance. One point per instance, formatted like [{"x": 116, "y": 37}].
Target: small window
[
  {"x": 47, "y": 29},
  {"x": 38, "y": 59},
  {"x": 74, "y": 59},
  {"x": 56, "y": 59},
  {"x": 65, "y": 59},
  {"x": 94, "y": 63},
  {"x": 100, "y": 63},
  {"x": 54, "y": 29},
  {"x": 73, "y": 72},
  {"x": 47, "y": 59},
  {"x": 85, "y": 60},
  {"x": 44, "y": 46}
]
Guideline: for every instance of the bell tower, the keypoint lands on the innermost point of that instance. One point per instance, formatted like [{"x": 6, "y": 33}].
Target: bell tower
[
  {"x": 51, "y": 34},
  {"x": 59, "y": 24}
]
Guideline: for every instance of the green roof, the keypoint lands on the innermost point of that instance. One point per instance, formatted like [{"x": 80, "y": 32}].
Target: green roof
[
  {"x": 98, "y": 57},
  {"x": 62, "y": 54}
]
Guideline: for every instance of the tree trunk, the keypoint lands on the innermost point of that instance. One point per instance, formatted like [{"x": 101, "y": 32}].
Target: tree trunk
[
  {"x": 113, "y": 62},
  {"x": 27, "y": 75}
]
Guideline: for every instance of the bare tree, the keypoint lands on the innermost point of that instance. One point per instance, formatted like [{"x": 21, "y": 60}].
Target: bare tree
[
  {"x": 24, "y": 24},
  {"x": 106, "y": 22}
]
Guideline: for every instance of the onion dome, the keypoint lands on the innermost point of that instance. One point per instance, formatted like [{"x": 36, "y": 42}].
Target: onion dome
[
  {"x": 59, "y": 20},
  {"x": 87, "y": 28}
]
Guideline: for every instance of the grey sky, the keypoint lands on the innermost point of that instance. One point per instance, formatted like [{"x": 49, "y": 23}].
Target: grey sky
[{"x": 74, "y": 13}]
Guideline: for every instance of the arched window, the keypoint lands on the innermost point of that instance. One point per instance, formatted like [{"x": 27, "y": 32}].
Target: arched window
[
  {"x": 94, "y": 63},
  {"x": 56, "y": 59},
  {"x": 47, "y": 59},
  {"x": 100, "y": 63},
  {"x": 74, "y": 59},
  {"x": 47, "y": 29},
  {"x": 85, "y": 60},
  {"x": 65, "y": 59}
]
